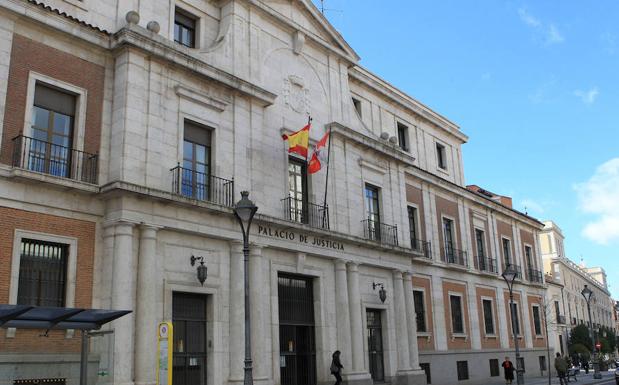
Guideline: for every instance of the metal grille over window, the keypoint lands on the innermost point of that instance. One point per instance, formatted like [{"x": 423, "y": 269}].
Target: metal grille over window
[
  {"x": 463, "y": 370},
  {"x": 457, "y": 320},
  {"x": 420, "y": 310},
  {"x": 42, "y": 273},
  {"x": 189, "y": 320}
]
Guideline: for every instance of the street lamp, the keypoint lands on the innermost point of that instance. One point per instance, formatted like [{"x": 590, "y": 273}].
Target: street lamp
[
  {"x": 588, "y": 294},
  {"x": 244, "y": 211},
  {"x": 509, "y": 275}
]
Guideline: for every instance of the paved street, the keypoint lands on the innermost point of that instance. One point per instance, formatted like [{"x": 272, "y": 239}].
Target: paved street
[{"x": 583, "y": 379}]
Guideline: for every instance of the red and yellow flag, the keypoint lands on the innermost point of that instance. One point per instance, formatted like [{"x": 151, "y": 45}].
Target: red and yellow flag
[
  {"x": 318, "y": 157},
  {"x": 298, "y": 142}
]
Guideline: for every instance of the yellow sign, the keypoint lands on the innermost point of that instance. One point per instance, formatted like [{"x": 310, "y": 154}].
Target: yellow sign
[{"x": 164, "y": 353}]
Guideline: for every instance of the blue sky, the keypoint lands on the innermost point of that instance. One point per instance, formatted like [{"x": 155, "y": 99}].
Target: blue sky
[{"x": 534, "y": 84}]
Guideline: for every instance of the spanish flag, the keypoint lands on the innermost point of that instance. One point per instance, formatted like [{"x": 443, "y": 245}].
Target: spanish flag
[{"x": 298, "y": 142}]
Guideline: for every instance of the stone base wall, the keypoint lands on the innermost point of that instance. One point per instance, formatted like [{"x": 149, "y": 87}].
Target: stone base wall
[{"x": 17, "y": 366}]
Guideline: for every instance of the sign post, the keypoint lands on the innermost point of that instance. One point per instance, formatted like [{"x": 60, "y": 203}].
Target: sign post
[{"x": 164, "y": 353}]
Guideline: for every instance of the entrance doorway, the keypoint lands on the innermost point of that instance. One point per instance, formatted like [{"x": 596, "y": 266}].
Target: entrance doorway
[
  {"x": 375, "y": 344},
  {"x": 296, "y": 330},
  {"x": 189, "y": 321}
]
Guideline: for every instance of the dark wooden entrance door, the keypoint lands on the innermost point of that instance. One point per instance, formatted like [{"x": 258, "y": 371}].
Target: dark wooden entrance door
[
  {"x": 296, "y": 330},
  {"x": 375, "y": 344}
]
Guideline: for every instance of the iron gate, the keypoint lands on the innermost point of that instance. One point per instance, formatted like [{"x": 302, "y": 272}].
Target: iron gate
[{"x": 375, "y": 344}]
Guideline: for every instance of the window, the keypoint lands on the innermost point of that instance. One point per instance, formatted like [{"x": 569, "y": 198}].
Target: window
[
  {"x": 42, "y": 273},
  {"x": 479, "y": 241},
  {"x": 542, "y": 362},
  {"x": 426, "y": 368},
  {"x": 297, "y": 190},
  {"x": 357, "y": 104},
  {"x": 440, "y": 156},
  {"x": 372, "y": 208},
  {"x": 402, "y": 136},
  {"x": 196, "y": 172},
  {"x": 420, "y": 310},
  {"x": 488, "y": 316},
  {"x": 463, "y": 370},
  {"x": 527, "y": 254},
  {"x": 49, "y": 150},
  {"x": 189, "y": 354},
  {"x": 537, "y": 321},
  {"x": 507, "y": 251},
  {"x": 457, "y": 319},
  {"x": 184, "y": 28},
  {"x": 449, "y": 239},
  {"x": 412, "y": 225},
  {"x": 557, "y": 311},
  {"x": 516, "y": 320},
  {"x": 494, "y": 368}
]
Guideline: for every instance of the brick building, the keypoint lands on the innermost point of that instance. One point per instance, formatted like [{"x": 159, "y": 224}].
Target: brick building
[{"x": 127, "y": 130}]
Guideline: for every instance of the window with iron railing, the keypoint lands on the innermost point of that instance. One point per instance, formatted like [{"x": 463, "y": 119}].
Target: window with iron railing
[{"x": 42, "y": 273}]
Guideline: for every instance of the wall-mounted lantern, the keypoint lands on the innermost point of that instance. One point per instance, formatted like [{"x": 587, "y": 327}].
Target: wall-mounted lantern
[
  {"x": 382, "y": 293},
  {"x": 201, "y": 270}
]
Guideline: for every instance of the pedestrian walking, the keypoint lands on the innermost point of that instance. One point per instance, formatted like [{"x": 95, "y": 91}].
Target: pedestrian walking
[
  {"x": 561, "y": 367},
  {"x": 508, "y": 369},
  {"x": 336, "y": 367}
]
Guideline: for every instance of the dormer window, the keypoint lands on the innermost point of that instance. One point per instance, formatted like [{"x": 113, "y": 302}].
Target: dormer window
[
  {"x": 357, "y": 104},
  {"x": 402, "y": 136},
  {"x": 185, "y": 28}
]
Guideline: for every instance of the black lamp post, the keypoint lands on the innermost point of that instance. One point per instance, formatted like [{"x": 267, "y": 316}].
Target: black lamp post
[
  {"x": 509, "y": 275},
  {"x": 244, "y": 211},
  {"x": 588, "y": 294}
]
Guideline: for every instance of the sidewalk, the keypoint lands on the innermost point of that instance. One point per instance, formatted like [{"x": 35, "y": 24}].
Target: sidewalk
[{"x": 583, "y": 379}]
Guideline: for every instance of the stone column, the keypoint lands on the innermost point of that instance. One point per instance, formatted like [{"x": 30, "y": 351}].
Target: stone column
[
  {"x": 354, "y": 303},
  {"x": 237, "y": 312},
  {"x": 401, "y": 328},
  {"x": 147, "y": 313},
  {"x": 412, "y": 320},
  {"x": 342, "y": 310},
  {"x": 257, "y": 300},
  {"x": 476, "y": 331},
  {"x": 123, "y": 298},
  {"x": 438, "y": 313}
]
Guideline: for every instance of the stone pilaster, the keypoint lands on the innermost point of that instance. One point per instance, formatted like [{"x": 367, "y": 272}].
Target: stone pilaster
[
  {"x": 123, "y": 298},
  {"x": 411, "y": 321},
  {"x": 356, "y": 332},
  {"x": 342, "y": 310},
  {"x": 401, "y": 327},
  {"x": 147, "y": 312},
  {"x": 258, "y": 307}
]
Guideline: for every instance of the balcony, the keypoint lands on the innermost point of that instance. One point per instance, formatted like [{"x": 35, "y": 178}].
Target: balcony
[
  {"x": 52, "y": 159},
  {"x": 561, "y": 319},
  {"x": 422, "y": 246},
  {"x": 380, "y": 232},
  {"x": 535, "y": 276},
  {"x": 515, "y": 267},
  {"x": 488, "y": 265},
  {"x": 204, "y": 187},
  {"x": 311, "y": 214},
  {"x": 454, "y": 256}
]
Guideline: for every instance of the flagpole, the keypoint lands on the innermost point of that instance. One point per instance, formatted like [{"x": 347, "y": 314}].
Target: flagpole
[
  {"x": 324, "y": 212},
  {"x": 309, "y": 122}
]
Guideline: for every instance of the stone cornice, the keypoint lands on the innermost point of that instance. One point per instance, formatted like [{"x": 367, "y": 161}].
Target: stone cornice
[
  {"x": 159, "y": 47},
  {"x": 372, "y": 81},
  {"x": 383, "y": 147}
]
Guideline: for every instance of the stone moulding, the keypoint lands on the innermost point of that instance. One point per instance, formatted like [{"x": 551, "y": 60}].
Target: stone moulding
[{"x": 201, "y": 98}]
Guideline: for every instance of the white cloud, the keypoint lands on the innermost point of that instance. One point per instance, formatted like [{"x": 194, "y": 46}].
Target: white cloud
[
  {"x": 588, "y": 97},
  {"x": 549, "y": 33},
  {"x": 528, "y": 19},
  {"x": 553, "y": 35},
  {"x": 600, "y": 196},
  {"x": 533, "y": 207}
]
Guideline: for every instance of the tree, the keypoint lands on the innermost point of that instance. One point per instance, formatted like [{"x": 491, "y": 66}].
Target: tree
[
  {"x": 580, "y": 336},
  {"x": 607, "y": 338}
]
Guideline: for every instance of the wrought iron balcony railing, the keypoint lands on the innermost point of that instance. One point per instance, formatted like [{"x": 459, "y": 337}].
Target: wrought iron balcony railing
[
  {"x": 454, "y": 256},
  {"x": 488, "y": 265},
  {"x": 298, "y": 210},
  {"x": 517, "y": 268},
  {"x": 205, "y": 187},
  {"x": 535, "y": 276},
  {"x": 422, "y": 246},
  {"x": 52, "y": 159},
  {"x": 380, "y": 232},
  {"x": 561, "y": 319}
]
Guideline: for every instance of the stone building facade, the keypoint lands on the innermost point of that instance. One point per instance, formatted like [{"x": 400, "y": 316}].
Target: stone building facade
[
  {"x": 127, "y": 130},
  {"x": 566, "y": 280}
]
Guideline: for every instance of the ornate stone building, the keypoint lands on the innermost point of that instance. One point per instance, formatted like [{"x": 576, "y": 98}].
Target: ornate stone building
[{"x": 127, "y": 129}]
